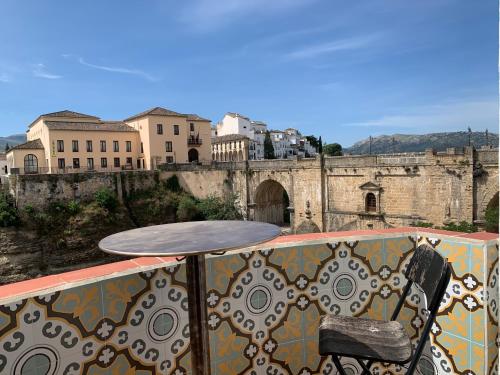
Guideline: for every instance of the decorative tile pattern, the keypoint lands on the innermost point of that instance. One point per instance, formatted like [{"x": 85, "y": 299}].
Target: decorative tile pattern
[
  {"x": 136, "y": 324},
  {"x": 264, "y": 308}
]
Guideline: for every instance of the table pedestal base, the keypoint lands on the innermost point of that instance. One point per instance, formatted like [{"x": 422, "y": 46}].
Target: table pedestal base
[{"x": 198, "y": 326}]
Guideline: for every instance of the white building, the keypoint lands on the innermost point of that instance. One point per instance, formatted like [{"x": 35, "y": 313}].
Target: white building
[
  {"x": 286, "y": 143},
  {"x": 3, "y": 168}
]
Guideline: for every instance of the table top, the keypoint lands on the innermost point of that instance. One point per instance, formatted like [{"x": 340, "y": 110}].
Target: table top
[{"x": 190, "y": 238}]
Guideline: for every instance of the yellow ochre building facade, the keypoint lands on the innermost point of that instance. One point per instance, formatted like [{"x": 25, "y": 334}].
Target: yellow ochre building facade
[{"x": 67, "y": 141}]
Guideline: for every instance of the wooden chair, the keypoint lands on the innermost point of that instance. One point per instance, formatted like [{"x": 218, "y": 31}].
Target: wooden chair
[{"x": 387, "y": 341}]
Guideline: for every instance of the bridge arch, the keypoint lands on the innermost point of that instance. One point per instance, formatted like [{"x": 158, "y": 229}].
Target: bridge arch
[{"x": 271, "y": 203}]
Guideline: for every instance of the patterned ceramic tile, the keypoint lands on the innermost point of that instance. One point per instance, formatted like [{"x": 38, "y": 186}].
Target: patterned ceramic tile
[{"x": 264, "y": 308}]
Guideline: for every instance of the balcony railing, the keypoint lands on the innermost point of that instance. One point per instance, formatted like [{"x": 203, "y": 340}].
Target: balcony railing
[
  {"x": 194, "y": 141},
  {"x": 263, "y": 306}
]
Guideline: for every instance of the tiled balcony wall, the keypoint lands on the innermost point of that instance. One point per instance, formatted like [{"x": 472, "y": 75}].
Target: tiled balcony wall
[{"x": 264, "y": 306}]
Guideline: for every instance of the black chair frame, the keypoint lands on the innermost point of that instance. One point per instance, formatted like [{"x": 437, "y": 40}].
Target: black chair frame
[{"x": 440, "y": 289}]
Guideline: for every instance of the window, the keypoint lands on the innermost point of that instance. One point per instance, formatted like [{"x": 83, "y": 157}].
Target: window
[
  {"x": 176, "y": 129},
  {"x": 138, "y": 164},
  {"x": 30, "y": 164},
  {"x": 76, "y": 163},
  {"x": 117, "y": 162},
  {"x": 168, "y": 146},
  {"x": 128, "y": 146},
  {"x": 61, "y": 163},
  {"x": 116, "y": 146},
  {"x": 89, "y": 146},
  {"x": 103, "y": 146},
  {"x": 159, "y": 129},
  {"x": 104, "y": 162},
  {"x": 60, "y": 145},
  {"x": 129, "y": 161},
  {"x": 90, "y": 164},
  {"x": 170, "y": 159},
  {"x": 75, "y": 146},
  {"x": 371, "y": 202},
  {"x": 142, "y": 148},
  {"x": 191, "y": 127}
]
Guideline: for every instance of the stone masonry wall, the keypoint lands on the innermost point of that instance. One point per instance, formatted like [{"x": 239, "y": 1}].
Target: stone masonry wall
[{"x": 327, "y": 193}]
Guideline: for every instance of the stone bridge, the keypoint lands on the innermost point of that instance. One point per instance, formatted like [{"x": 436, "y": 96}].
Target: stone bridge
[
  {"x": 357, "y": 192},
  {"x": 322, "y": 194}
]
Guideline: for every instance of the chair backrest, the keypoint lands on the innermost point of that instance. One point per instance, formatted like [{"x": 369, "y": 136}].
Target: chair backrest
[{"x": 428, "y": 269}]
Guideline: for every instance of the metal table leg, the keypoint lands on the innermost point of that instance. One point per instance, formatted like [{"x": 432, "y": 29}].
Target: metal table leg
[{"x": 198, "y": 326}]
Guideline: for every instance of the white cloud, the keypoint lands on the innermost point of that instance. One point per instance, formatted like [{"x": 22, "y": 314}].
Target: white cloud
[
  {"x": 4, "y": 78},
  {"x": 112, "y": 69},
  {"x": 334, "y": 46},
  {"x": 39, "y": 70},
  {"x": 452, "y": 115}
]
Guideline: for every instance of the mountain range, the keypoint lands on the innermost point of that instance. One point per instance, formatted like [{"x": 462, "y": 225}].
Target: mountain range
[
  {"x": 12, "y": 140},
  {"x": 386, "y": 144}
]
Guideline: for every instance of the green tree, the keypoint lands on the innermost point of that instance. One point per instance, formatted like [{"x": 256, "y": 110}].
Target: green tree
[
  {"x": 333, "y": 149},
  {"x": 188, "y": 209},
  {"x": 268, "y": 147},
  {"x": 219, "y": 208},
  {"x": 106, "y": 199},
  {"x": 313, "y": 141},
  {"x": 491, "y": 217},
  {"x": 320, "y": 145},
  {"x": 8, "y": 212},
  {"x": 7, "y": 147}
]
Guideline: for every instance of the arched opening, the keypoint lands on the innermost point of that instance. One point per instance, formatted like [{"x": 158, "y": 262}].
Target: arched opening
[
  {"x": 240, "y": 156},
  {"x": 491, "y": 215},
  {"x": 271, "y": 203},
  {"x": 371, "y": 203},
  {"x": 193, "y": 155},
  {"x": 30, "y": 164}
]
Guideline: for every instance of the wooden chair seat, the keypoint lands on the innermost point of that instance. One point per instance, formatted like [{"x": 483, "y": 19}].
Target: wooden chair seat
[{"x": 378, "y": 340}]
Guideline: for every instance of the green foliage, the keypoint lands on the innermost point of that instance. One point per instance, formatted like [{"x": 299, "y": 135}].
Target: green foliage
[
  {"x": 315, "y": 142},
  {"x": 268, "y": 147},
  {"x": 463, "y": 226},
  {"x": 422, "y": 224},
  {"x": 320, "y": 145},
  {"x": 217, "y": 208},
  {"x": 172, "y": 184},
  {"x": 491, "y": 217},
  {"x": 187, "y": 209},
  {"x": 73, "y": 207},
  {"x": 332, "y": 149},
  {"x": 8, "y": 213},
  {"x": 106, "y": 199}
]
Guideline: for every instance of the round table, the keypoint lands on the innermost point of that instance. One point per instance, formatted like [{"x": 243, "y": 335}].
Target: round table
[{"x": 192, "y": 240}]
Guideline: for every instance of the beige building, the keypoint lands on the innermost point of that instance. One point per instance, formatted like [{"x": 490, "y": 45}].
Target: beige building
[
  {"x": 67, "y": 141},
  {"x": 171, "y": 137},
  {"x": 231, "y": 147}
]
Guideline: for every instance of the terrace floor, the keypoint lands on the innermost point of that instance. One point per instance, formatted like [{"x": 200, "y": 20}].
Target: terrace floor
[{"x": 264, "y": 305}]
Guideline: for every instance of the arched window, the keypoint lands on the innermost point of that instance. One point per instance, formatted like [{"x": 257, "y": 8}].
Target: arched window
[
  {"x": 371, "y": 202},
  {"x": 30, "y": 164}
]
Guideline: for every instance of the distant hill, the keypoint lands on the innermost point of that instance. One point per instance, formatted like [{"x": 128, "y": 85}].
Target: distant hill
[
  {"x": 12, "y": 140},
  {"x": 386, "y": 144}
]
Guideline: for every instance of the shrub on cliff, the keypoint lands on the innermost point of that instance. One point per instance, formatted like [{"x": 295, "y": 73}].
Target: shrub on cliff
[
  {"x": 8, "y": 212},
  {"x": 217, "y": 208},
  {"x": 172, "y": 184},
  {"x": 106, "y": 199},
  {"x": 188, "y": 209},
  {"x": 491, "y": 217}
]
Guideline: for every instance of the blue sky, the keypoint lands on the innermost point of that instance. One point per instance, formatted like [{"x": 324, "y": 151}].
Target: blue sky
[{"x": 340, "y": 69}]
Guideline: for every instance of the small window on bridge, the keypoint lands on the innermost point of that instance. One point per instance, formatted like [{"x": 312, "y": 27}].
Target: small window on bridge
[{"x": 371, "y": 203}]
